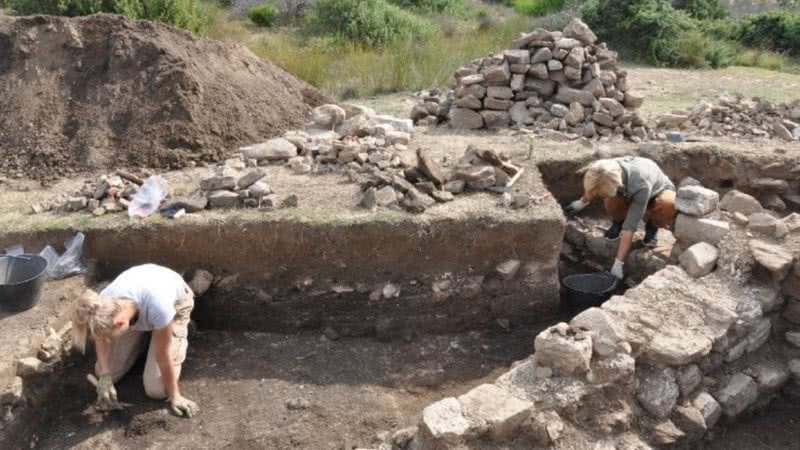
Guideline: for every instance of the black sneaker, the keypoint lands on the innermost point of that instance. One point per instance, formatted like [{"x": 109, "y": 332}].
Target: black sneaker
[
  {"x": 650, "y": 235},
  {"x": 612, "y": 234}
]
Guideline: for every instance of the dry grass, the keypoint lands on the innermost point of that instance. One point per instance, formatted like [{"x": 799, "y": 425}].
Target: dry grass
[{"x": 352, "y": 71}]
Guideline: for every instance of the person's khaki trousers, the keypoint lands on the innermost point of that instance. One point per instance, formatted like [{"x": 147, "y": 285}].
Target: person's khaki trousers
[
  {"x": 661, "y": 210},
  {"x": 125, "y": 350}
]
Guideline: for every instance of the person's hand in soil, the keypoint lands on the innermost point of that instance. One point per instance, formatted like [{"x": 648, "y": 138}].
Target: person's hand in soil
[
  {"x": 106, "y": 393},
  {"x": 182, "y": 406}
]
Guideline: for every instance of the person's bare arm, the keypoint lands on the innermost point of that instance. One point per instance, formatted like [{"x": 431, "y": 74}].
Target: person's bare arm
[
  {"x": 103, "y": 348},
  {"x": 162, "y": 339},
  {"x": 625, "y": 241}
]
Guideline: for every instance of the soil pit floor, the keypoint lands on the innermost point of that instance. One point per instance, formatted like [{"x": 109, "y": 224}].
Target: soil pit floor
[
  {"x": 775, "y": 428},
  {"x": 275, "y": 391}
]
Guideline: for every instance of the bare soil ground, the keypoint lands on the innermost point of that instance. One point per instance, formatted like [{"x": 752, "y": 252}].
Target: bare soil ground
[
  {"x": 776, "y": 428},
  {"x": 274, "y": 391}
]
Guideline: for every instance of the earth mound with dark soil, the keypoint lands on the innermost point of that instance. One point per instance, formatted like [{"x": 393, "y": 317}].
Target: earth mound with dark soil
[{"x": 103, "y": 91}]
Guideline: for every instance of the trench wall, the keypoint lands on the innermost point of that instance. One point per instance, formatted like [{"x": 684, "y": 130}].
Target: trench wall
[{"x": 359, "y": 279}]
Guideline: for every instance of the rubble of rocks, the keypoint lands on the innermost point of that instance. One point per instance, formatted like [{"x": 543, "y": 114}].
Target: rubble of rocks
[
  {"x": 233, "y": 185},
  {"x": 556, "y": 80},
  {"x": 106, "y": 194},
  {"x": 737, "y": 117},
  {"x": 372, "y": 151},
  {"x": 432, "y": 107}
]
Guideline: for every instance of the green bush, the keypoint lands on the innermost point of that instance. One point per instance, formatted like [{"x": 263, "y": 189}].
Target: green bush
[
  {"x": 192, "y": 15},
  {"x": 431, "y": 6},
  {"x": 262, "y": 15},
  {"x": 703, "y": 9},
  {"x": 776, "y": 30},
  {"x": 370, "y": 23},
  {"x": 537, "y": 7}
]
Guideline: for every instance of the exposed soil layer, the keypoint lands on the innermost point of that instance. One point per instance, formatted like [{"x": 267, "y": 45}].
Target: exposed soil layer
[
  {"x": 279, "y": 391},
  {"x": 775, "y": 428},
  {"x": 103, "y": 91}
]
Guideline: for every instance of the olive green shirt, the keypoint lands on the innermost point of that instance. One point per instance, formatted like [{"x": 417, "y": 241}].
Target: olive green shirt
[{"x": 642, "y": 180}]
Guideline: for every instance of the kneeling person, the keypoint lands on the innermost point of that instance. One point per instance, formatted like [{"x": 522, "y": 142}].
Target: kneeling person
[
  {"x": 633, "y": 189},
  {"x": 146, "y": 298}
]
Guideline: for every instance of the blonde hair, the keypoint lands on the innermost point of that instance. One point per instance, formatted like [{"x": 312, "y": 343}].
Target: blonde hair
[
  {"x": 92, "y": 316},
  {"x": 602, "y": 178}
]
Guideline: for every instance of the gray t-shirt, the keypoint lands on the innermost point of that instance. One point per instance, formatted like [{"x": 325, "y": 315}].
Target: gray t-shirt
[
  {"x": 642, "y": 180},
  {"x": 154, "y": 289}
]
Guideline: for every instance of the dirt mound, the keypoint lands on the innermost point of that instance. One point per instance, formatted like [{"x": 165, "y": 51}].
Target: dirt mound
[{"x": 103, "y": 91}]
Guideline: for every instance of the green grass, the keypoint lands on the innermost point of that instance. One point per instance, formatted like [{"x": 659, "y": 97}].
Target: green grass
[
  {"x": 766, "y": 59},
  {"x": 538, "y": 7},
  {"x": 353, "y": 71}
]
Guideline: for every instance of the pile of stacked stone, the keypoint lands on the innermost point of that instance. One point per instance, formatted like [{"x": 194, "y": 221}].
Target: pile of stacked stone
[
  {"x": 554, "y": 80},
  {"x": 737, "y": 117},
  {"x": 432, "y": 107},
  {"x": 106, "y": 194}
]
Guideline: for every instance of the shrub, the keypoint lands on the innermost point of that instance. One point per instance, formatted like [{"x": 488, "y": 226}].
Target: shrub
[
  {"x": 763, "y": 59},
  {"x": 192, "y": 15},
  {"x": 431, "y": 6},
  {"x": 776, "y": 30},
  {"x": 291, "y": 11},
  {"x": 365, "y": 22},
  {"x": 538, "y": 7},
  {"x": 262, "y": 15},
  {"x": 703, "y": 9}
]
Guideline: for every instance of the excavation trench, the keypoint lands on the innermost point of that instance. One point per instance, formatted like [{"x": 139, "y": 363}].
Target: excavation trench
[{"x": 325, "y": 336}]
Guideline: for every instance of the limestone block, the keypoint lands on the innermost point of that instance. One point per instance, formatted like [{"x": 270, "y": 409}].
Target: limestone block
[
  {"x": 737, "y": 395},
  {"x": 696, "y": 200},
  {"x": 692, "y": 229},
  {"x": 709, "y": 407},
  {"x": 776, "y": 259},
  {"x": 607, "y": 335},
  {"x": 563, "y": 348},
  {"x": 689, "y": 378},
  {"x": 700, "y": 259},
  {"x": 735, "y": 201},
  {"x": 491, "y": 409},
  {"x": 444, "y": 422},
  {"x": 657, "y": 391}
]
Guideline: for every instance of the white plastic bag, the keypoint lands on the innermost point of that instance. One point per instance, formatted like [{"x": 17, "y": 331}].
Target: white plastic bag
[
  {"x": 69, "y": 263},
  {"x": 51, "y": 255},
  {"x": 149, "y": 197}
]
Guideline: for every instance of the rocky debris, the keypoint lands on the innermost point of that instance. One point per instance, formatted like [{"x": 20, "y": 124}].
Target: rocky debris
[
  {"x": 666, "y": 433},
  {"x": 794, "y": 370},
  {"x": 770, "y": 376},
  {"x": 736, "y": 117},
  {"x": 775, "y": 259},
  {"x": 737, "y": 395},
  {"x": 689, "y": 378},
  {"x": 793, "y": 338},
  {"x": 31, "y": 366},
  {"x": 565, "y": 349},
  {"x": 192, "y": 202},
  {"x": 658, "y": 390},
  {"x": 106, "y": 193},
  {"x": 691, "y": 230},
  {"x": 696, "y": 201},
  {"x": 739, "y": 202},
  {"x": 277, "y": 149},
  {"x": 700, "y": 259},
  {"x": 547, "y": 80}
]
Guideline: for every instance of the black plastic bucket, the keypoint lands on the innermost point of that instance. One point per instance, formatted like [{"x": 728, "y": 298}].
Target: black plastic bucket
[
  {"x": 21, "y": 280},
  {"x": 589, "y": 289}
]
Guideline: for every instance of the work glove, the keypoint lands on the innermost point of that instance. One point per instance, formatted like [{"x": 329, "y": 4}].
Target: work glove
[
  {"x": 106, "y": 393},
  {"x": 575, "y": 207},
  {"x": 182, "y": 406},
  {"x": 616, "y": 269}
]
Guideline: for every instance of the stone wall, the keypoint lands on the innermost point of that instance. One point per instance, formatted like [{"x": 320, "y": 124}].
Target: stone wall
[{"x": 692, "y": 346}]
